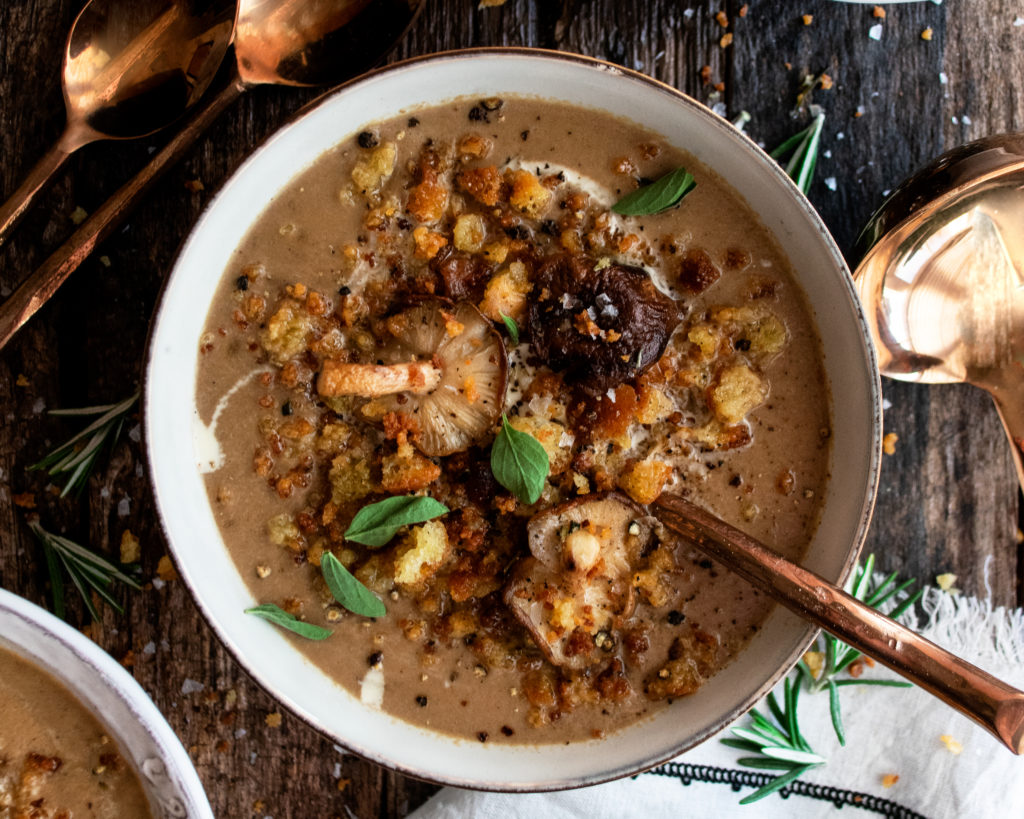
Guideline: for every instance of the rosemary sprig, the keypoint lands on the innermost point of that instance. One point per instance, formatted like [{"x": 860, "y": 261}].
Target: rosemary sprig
[
  {"x": 78, "y": 454},
  {"x": 838, "y": 656},
  {"x": 802, "y": 150},
  {"x": 87, "y": 570},
  {"x": 777, "y": 741}
]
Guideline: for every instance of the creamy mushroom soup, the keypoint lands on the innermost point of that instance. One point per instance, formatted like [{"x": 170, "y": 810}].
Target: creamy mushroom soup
[
  {"x": 442, "y": 365},
  {"x": 56, "y": 760}
]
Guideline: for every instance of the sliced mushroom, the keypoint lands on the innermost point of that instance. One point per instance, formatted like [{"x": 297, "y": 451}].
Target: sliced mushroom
[
  {"x": 600, "y": 325},
  {"x": 444, "y": 366},
  {"x": 576, "y": 586}
]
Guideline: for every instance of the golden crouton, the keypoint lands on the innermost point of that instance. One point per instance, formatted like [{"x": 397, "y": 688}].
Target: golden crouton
[
  {"x": 528, "y": 195},
  {"x": 644, "y": 480},
  {"x": 408, "y": 471},
  {"x": 551, "y": 435},
  {"x": 473, "y": 146},
  {"x": 421, "y": 554},
  {"x": 737, "y": 390},
  {"x": 287, "y": 332},
  {"x": 483, "y": 184},
  {"x": 350, "y": 479},
  {"x": 428, "y": 243},
  {"x": 469, "y": 232},
  {"x": 370, "y": 173},
  {"x": 506, "y": 293}
]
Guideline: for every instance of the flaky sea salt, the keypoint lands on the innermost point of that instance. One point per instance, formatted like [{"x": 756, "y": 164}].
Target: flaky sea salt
[
  {"x": 875, "y": 32},
  {"x": 191, "y": 686},
  {"x": 830, "y": 183}
]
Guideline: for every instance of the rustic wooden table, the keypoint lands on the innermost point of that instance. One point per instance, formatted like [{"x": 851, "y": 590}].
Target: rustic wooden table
[{"x": 948, "y": 500}]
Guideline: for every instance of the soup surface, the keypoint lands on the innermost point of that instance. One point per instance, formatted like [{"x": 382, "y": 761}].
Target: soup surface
[
  {"x": 460, "y": 262},
  {"x": 56, "y": 760}
]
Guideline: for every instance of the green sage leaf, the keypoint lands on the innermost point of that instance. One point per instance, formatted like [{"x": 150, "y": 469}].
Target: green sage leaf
[
  {"x": 279, "y": 617},
  {"x": 377, "y": 523},
  {"x": 348, "y": 591},
  {"x": 519, "y": 463},
  {"x": 512, "y": 327},
  {"x": 665, "y": 193}
]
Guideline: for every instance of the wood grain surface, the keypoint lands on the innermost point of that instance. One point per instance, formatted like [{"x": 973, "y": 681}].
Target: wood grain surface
[{"x": 948, "y": 500}]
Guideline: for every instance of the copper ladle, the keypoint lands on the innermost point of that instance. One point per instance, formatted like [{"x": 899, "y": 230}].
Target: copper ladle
[
  {"x": 939, "y": 277},
  {"x": 130, "y": 68},
  {"x": 281, "y": 42},
  {"x": 994, "y": 705}
]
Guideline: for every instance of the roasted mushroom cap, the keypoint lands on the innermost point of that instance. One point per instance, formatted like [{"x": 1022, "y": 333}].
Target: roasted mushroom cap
[
  {"x": 599, "y": 325},
  {"x": 578, "y": 580},
  {"x": 444, "y": 368}
]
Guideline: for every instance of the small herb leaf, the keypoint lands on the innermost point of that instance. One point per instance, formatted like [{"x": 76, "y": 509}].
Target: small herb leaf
[
  {"x": 348, "y": 591},
  {"x": 512, "y": 327},
  {"x": 279, "y": 617},
  {"x": 519, "y": 462},
  {"x": 377, "y": 523},
  {"x": 660, "y": 195}
]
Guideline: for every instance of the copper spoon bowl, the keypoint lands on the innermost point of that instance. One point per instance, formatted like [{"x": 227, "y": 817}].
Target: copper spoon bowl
[
  {"x": 131, "y": 67},
  {"x": 276, "y": 42},
  {"x": 940, "y": 277},
  {"x": 994, "y": 705}
]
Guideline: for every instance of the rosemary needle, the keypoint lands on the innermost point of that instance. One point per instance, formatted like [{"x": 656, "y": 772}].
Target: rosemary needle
[
  {"x": 802, "y": 150},
  {"x": 88, "y": 571},
  {"x": 76, "y": 456}
]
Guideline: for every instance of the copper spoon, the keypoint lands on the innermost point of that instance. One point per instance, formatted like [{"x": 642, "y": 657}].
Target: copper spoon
[
  {"x": 940, "y": 277},
  {"x": 130, "y": 68},
  {"x": 282, "y": 42},
  {"x": 994, "y": 705}
]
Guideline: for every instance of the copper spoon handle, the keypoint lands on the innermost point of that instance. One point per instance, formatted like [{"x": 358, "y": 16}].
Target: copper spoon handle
[
  {"x": 994, "y": 705},
  {"x": 37, "y": 289},
  {"x": 42, "y": 172}
]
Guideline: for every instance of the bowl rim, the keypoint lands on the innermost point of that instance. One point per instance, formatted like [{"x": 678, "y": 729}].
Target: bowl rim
[
  {"x": 183, "y": 781},
  {"x": 828, "y": 243}
]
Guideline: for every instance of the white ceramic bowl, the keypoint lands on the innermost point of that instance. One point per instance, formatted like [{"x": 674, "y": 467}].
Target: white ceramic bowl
[
  {"x": 171, "y": 416},
  {"x": 117, "y": 701}
]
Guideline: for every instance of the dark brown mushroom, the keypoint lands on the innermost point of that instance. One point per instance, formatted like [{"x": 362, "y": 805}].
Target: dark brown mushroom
[
  {"x": 444, "y": 367},
  {"x": 600, "y": 325},
  {"x": 577, "y": 583}
]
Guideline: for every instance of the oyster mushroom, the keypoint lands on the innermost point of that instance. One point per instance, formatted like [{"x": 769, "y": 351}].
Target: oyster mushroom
[
  {"x": 444, "y": 368},
  {"x": 577, "y": 582},
  {"x": 600, "y": 325}
]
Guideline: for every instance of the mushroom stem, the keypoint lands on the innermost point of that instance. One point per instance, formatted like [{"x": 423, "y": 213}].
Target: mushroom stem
[{"x": 375, "y": 380}]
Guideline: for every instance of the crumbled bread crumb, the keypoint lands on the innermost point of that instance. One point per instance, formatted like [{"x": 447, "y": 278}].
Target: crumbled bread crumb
[
  {"x": 195, "y": 185},
  {"x": 262, "y": 571},
  {"x": 722, "y": 19},
  {"x": 506, "y": 293},
  {"x": 371, "y": 173},
  {"x": 469, "y": 232},
  {"x": 130, "y": 549},
  {"x": 528, "y": 194},
  {"x": 165, "y": 569},
  {"x": 79, "y": 215},
  {"x": 807, "y": 19},
  {"x": 425, "y": 549},
  {"x": 273, "y": 720},
  {"x": 22, "y": 380},
  {"x": 926, "y": 34},
  {"x": 951, "y": 744},
  {"x": 645, "y": 480},
  {"x": 878, "y": 12},
  {"x": 726, "y": 40},
  {"x": 945, "y": 581},
  {"x": 890, "y": 779},
  {"x": 889, "y": 443},
  {"x": 738, "y": 390},
  {"x": 26, "y": 500},
  {"x": 815, "y": 661}
]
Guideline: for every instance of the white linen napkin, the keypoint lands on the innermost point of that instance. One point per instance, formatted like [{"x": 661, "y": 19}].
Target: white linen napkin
[{"x": 889, "y": 731}]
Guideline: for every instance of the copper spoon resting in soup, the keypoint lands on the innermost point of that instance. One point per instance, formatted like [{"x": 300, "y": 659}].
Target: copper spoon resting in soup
[
  {"x": 940, "y": 277},
  {"x": 278, "y": 42},
  {"x": 994, "y": 705},
  {"x": 131, "y": 67}
]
